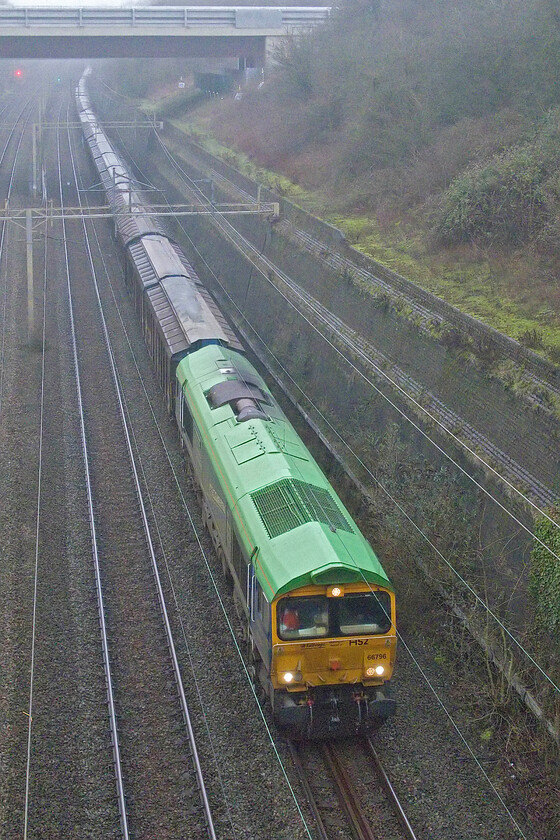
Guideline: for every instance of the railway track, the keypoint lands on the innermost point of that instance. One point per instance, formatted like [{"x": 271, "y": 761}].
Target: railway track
[
  {"x": 424, "y": 316},
  {"x": 381, "y": 367},
  {"x": 220, "y": 714},
  {"x": 237, "y": 791},
  {"x": 8, "y": 171},
  {"x": 25, "y": 601},
  {"x": 328, "y": 772},
  {"x": 143, "y": 661},
  {"x": 75, "y": 797},
  {"x": 86, "y": 712}
]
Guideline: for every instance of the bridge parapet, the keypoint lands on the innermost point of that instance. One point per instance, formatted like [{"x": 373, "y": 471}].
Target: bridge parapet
[
  {"x": 274, "y": 20},
  {"x": 150, "y": 31}
]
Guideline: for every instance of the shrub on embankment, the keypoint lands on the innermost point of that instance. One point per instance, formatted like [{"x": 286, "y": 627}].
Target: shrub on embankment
[{"x": 511, "y": 199}]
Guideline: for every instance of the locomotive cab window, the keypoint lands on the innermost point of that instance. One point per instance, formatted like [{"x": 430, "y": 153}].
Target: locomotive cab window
[
  {"x": 301, "y": 618},
  {"x": 262, "y": 603},
  {"x": 364, "y": 613},
  {"x": 312, "y": 617}
]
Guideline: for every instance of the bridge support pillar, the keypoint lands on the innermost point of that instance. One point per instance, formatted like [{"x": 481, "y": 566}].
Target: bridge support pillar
[{"x": 252, "y": 65}]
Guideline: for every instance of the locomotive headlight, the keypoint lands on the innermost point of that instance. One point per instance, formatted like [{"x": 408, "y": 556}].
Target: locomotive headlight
[
  {"x": 292, "y": 677},
  {"x": 290, "y": 670},
  {"x": 378, "y": 671}
]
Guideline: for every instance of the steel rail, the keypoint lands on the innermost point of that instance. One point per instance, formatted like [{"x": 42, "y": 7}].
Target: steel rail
[
  {"x": 34, "y": 608},
  {"x": 117, "y": 765},
  {"x": 300, "y": 770},
  {"x": 360, "y": 826},
  {"x": 390, "y": 791},
  {"x": 343, "y": 264},
  {"x": 37, "y": 532},
  {"x": 3, "y": 235},
  {"x": 435, "y": 409},
  {"x": 161, "y": 598},
  {"x": 376, "y": 360},
  {"x": 526, "y": 697},
  {"x": 336, "y": 261}
]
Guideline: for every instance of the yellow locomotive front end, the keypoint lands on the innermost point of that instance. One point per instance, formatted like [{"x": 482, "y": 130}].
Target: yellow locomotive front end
[{"x": 332, "y": 658}]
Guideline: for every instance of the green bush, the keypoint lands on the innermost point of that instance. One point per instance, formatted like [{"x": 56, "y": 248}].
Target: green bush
[
  {"x": 544, "y": 579},
  {"x": 509, "y": 199}
]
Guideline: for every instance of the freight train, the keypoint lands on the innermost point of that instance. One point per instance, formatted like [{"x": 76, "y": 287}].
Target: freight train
[{"x": 317, "y": 608}]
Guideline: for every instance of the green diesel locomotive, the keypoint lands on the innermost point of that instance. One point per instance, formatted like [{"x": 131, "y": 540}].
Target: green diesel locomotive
[{"x": 318, "y": 608}]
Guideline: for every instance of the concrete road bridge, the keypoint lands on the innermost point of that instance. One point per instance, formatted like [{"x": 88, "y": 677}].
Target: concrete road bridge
[{"x": 151, "y": 31}]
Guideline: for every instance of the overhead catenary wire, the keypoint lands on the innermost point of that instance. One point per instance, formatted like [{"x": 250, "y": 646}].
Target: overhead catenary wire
[
  {"x": 2, "y": 238},
  {"x": 101, "y": 256},
  {"x": 201, "y": 786},
  {"x": 400, "y": 637},
  {"x": 117, "y": 763},
  {"x": 298, "y": 293},
  {"x": 374, "y": 478},
  {"x": 35, "y": 587},
  {"x": 36, "y": 560},
  {"x": 212, "y": 579},
  {"x": 381, "y": 373},
  {"x": 452, "y": 721}
]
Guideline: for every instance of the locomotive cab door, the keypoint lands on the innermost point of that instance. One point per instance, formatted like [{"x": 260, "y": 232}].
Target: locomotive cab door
[{"x": 259, "y": 612}]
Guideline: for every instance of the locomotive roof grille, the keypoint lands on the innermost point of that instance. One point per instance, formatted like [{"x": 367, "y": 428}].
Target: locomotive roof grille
[{"x": 288, "y": 503}]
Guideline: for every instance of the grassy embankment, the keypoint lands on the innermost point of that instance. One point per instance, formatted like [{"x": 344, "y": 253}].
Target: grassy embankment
[
  {"x": 428, "y": 132},
  {"x": 501, "y": 289}
]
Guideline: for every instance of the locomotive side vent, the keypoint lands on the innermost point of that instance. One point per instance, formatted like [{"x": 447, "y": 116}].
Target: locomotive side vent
[{"x": 289, "y": 503}]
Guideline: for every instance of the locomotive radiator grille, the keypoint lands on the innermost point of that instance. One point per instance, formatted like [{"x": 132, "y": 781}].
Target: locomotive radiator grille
[{"x": 289, "y": 503}]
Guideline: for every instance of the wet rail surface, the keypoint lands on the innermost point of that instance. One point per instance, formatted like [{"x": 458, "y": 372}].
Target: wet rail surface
[
  {"x": 350, "y": 796},
  {"x": 72, "y": 779},
  {"x": 31, "y": 608},
  {"x": 66, "y": 722},
  {"x": 93, "y": 692},
  {"x": 160, "y": 784}
]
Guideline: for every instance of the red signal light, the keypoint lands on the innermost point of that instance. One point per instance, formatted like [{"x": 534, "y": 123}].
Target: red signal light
[{"x": 18, "y": 73}]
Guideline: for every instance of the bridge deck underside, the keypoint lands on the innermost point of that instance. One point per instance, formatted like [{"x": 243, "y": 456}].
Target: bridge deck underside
[{"x": 148, "y": 46}]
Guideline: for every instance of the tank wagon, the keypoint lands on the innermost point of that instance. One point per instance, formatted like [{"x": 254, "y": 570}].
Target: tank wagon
[{"x": 316, "y": 606}]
